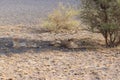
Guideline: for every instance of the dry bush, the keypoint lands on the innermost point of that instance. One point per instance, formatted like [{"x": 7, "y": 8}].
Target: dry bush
[{"x": 61, "y": 19}]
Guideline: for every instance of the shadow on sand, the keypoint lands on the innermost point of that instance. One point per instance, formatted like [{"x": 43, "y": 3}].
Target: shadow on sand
[{"x": 7, "y": 46}]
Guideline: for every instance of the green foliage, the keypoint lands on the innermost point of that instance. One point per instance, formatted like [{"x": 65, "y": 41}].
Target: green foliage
[
  {"x": 61, "y": 19},
  {"x": 118, "y": 1},
  {"x": 109, "y": 26},
  {"x": 104, "y": 16}
]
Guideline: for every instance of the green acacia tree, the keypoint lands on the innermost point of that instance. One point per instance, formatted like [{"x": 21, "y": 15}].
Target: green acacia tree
[{"x": 104, "y": 16}]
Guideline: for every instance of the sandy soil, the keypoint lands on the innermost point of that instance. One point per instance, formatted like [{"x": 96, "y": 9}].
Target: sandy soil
[{"x": 49, "y": 63}]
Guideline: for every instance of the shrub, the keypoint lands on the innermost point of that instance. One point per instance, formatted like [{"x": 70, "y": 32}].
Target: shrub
[
  {"x": 104, "y": 16},
  {"x": 61, "y": 19}
]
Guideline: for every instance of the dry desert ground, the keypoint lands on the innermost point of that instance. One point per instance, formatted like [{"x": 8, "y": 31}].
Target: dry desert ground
[{"x": 25, "y": 54}]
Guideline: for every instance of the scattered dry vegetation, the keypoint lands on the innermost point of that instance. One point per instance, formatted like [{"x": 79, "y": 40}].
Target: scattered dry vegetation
[{"x": 28, "y": 53}]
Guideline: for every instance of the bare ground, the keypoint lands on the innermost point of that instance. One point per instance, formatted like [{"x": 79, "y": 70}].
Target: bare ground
[{"x": 45, "y": 62}]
